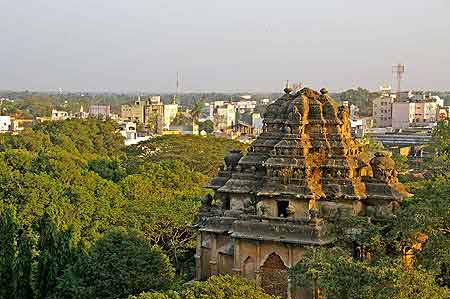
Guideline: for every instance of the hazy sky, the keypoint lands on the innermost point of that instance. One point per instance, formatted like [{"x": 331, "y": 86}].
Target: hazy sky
[{"x": 222, "y": 45}]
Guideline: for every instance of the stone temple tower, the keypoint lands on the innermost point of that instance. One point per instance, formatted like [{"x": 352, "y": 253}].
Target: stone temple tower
[{"x": 284, "y": 195}]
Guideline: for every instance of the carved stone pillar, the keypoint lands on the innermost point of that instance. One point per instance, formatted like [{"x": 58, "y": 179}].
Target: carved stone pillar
[
  {"x": 290, "y": 265},
  {"x": 198, "y": 260},
  {"x": 237, "y": 257},
  {"x": 258, "y": 264},
  {"x": 213, "y": 257}
]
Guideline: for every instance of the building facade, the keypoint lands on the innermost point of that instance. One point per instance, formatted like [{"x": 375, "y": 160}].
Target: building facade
[
  {"x": 404, "y": 110},
  {"x": 283, "y": 196},
  {"x": 403, "y": 114},
  {"x": 128, "y": 130},
  {"x": 150, "y": 112},
  {"x": 100, "y": 110},
  {"x": 382, "y": 110},
  {"x": 426, "y": 111},
  {"x": 5, "y": 124},
  {"x": 154, "y": 117},
  {"x": 224, "y": 117},
  {"x": 133, "y": 112},
  {"x": 59, "y": 115},
  {"x": 170, "y": 112}
]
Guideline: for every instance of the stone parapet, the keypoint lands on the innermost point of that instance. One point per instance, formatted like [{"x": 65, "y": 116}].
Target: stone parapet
[{"x": 284, "y": 231}]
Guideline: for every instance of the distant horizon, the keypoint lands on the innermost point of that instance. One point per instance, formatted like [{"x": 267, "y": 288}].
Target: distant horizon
[
  {"x": 148, "y": 93},
  {"x": 227, "y": 46}
]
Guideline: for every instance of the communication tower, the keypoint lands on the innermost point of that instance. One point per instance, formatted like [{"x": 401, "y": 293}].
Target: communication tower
[{"x": 398, "y": 70}]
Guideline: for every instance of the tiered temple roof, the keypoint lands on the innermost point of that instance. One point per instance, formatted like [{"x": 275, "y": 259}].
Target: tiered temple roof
[{"x": 306, "y": 151}]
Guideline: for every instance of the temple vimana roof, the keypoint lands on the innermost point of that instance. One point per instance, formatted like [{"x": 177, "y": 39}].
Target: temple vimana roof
[
  {"x": 306, "y": 151},
  {"x": 304, "y": 166}
]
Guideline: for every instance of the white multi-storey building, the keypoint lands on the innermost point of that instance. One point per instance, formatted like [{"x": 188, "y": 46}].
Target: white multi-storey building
[
  {"x": 245, "y": 106},
  {"x": 170, "y": 112},
  {"x": 224, "y": 117}
]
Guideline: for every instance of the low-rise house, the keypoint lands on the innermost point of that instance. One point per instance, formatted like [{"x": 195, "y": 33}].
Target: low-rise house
[
  {"x": 5, "y": 123},
  {"x": 128, "y": 129},
  {"x": 59, "y": 115}
]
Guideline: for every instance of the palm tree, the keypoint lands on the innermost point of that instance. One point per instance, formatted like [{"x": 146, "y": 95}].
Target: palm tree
[{"x": 196, "y": 110}]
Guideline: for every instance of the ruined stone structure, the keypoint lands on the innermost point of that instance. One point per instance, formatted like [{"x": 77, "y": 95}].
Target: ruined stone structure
[{"x": 283, "y": 196}]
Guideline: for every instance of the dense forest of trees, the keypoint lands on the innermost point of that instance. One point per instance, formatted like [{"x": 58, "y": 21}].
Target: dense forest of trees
[{"x": 82, "y": 216}]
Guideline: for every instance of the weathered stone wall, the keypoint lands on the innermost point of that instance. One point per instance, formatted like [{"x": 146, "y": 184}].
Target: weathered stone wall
[{"x": 268, "y": 207}]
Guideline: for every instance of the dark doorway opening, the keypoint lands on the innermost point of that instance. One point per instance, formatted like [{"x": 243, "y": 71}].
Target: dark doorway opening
[{"x": 283, "y": 208}]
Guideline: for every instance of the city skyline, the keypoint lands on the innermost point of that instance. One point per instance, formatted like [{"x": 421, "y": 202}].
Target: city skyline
[{"x": 223, "y": 47}]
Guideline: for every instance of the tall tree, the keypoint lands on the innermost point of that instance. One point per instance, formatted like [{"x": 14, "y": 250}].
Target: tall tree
[
  {"x": 8, "y": 251},
  {"x": 57, "y": 251},
  {"x": 196, "y": 110},
  {"x": 360, "y": 97},
  {"x": 207, "y": 126},
  {"x": 440, "y": 145},
  {"x": 23, "y": 266}
]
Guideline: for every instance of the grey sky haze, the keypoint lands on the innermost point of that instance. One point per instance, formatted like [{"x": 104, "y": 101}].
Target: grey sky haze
[{"x": 227, "y": 45}]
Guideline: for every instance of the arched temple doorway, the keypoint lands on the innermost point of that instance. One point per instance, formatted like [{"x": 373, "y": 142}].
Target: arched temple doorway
[{"x": 274, "y": 276}]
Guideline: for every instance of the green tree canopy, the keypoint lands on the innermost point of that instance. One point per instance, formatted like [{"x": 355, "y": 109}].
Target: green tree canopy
[
  {"x": 216, "y": 287},
  {"x": 202, "y": 154},
  {"x": 207, "y": 126},
  {"x": 119, "y": 264},
  {"x": 339, "y": 276},
  {"x": 196, "y": 110},
  {"x": 360, "y": 97},
  {"x": 440, "y": 148}
]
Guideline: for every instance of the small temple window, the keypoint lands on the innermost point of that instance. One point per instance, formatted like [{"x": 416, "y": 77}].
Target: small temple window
[
  {"x": 227, "y": 203},
  {"x": 283, "y": 208}
]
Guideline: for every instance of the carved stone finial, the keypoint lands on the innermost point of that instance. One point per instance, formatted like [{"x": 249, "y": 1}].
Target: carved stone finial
[
  {"x": 383, "y": 167},
  {"x": 324, "y": 91},
  {"x": 287, "y": 90},
  {"x": 206, "y": 203},
  {"x": 232, "y": 159}
]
